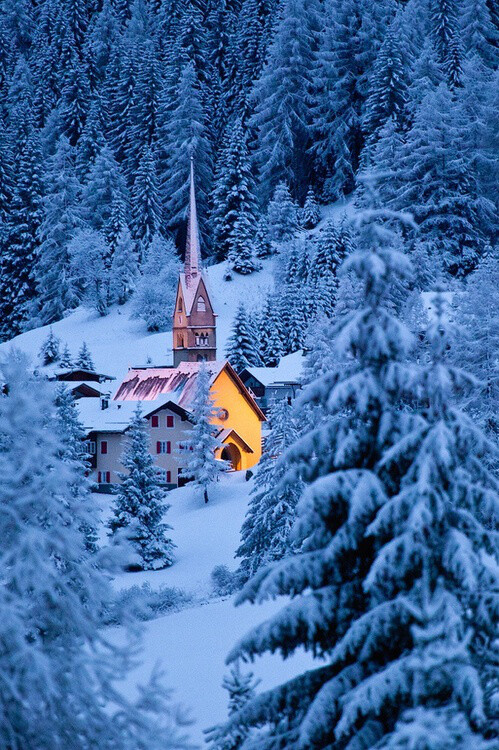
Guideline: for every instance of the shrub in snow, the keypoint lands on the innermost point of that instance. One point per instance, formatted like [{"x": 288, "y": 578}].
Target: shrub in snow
[
  {"x": 140, "y": 502},
  {"x": 241, "y": 688},
  {"x": 200, "y": 445},
  {"x": 61, "y": 676},
  {"x": 84, "y": 359},
  {"x": 145, "y": 603},
  {"x": 225, "y": 582},
  {"x": 49, "y": 351}
]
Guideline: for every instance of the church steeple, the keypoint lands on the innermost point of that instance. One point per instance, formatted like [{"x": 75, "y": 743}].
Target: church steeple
[
  {"x": 191, "y": 264},
  {"x": 194, "y": 321}
]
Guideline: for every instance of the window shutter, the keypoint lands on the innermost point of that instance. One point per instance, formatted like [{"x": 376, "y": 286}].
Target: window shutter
[
  {"x": 168, "y": 447},
  {"x": 108, "y": 477},
  {"x": 99, "y": 477},
  {"x": 155, "y": 421},
  {"x": 158, "y": 447},
  {"x": 168, "y": 476},
  {"x": 170, "y": 421},
  {"x": 103, "y": 447}
]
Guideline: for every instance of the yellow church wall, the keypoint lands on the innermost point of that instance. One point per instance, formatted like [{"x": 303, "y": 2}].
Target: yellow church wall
[{"x": 242, "y": 417}]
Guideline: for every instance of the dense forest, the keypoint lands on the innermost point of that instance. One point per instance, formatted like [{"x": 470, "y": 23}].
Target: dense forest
[{"x": 284, "y": 104}]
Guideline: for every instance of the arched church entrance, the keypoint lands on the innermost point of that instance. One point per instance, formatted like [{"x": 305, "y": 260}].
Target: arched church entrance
[{"x": 232, "y": 454}]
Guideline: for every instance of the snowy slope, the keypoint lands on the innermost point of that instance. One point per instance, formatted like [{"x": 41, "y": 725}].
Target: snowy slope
[
  {"x": 192, "y": 644},
  {"x": 118, "y": 340}
]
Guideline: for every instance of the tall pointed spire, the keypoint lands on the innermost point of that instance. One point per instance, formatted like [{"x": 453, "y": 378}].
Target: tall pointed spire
[{"x": 192, "y": 252}]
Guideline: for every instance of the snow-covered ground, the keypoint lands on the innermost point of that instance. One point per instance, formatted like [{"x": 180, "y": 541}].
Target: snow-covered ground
[{"x": 191, "y": 645}]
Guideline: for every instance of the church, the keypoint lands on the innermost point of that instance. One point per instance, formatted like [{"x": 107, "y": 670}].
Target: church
[{"x": 166, "y": 392}]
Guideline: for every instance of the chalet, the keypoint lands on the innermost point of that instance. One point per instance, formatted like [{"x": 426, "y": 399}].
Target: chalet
[
  {"x": 166, "y": 393},
  {"x": 85, "y": 383},
  {"x": 267, "y": 384}
]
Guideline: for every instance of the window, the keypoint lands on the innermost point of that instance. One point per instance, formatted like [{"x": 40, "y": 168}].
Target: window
[
  {"x": 163, "y": 446},
  {"x": 104, "y": 477},
  {"x": 180, "y": 305},
  {"x": 91, "y": 447},
  {"x": 103, "y": 447},
  {"x": 201, "y": 339},
  {"x": 170, "y": 421},
  {"x": 155, "y": 420},
  {"x": 201, "y": 304},
  {"x": 168, "y": 476},
  {"x": 180, "y": 341}
]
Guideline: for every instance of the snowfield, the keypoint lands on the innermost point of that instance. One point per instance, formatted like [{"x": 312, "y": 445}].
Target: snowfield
[{"x": 191, "y": 645}]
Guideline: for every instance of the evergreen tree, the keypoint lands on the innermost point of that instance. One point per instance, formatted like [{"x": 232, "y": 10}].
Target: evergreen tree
[
  {"x": 72, "y": 436},
  {"x": 266, "y": 530},
  {"x": 282, "y": 214},
  {"x": 155, "y": 294},
  {"x": 61, "y": 220},
  {"x": 89, "y": 257},
  {"x": 65, "y": 360},
  {"x": 84, "y": 359},
  {"x": 446, "y": 37},
  {"x": 476, "y": 341},
  {"x": 310, "y": 213},
  {"x": 92, "y": 138},
  {"x": 479, "y": 34},
  {"x": 18, "y": 261},
  {"x": 146, "y": 210},
  {"x": 242, "y": 346},
  {"x": 124, "y": 269},
  {"x": 234, "y": 203},
  {"x": 49, "y": 351},
  {"x": 358, "y": 398},
  {"x": 140, "y": 503},
  {"x": 269, "y": 335},
  {"x": 201, "y": 444},
  {"x": 75, "y": 99},
  {"x": 184, "y": 134},
  {"x": 241, "y": 688},
  {"x": 104, "y": 188},
  {"x": 333, "y": 245},
  {"x": 62, "y": 674},
  {"x": 281, "y": 114}
]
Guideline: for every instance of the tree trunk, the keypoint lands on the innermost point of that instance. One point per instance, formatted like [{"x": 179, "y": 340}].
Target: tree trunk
[{"x": 206, "y": 494}]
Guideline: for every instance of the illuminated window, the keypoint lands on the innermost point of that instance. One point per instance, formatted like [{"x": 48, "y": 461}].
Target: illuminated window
[{"x": 201, "y": 304}]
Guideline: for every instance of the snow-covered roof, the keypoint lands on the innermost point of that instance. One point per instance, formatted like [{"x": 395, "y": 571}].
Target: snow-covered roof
[
  {"x": 118, "y": 415},
  {"x": 289, "y": 370},
  {"x": 147, "y": 383},
  {"x": 226, "y": 433}
]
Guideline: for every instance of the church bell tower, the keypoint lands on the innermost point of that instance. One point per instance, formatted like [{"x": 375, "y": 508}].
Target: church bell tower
[{"x": 194, "y": 320}]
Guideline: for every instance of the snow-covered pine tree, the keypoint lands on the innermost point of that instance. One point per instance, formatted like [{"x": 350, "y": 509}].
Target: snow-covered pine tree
[
  {"x": 49, "y": 351},
  {"x": 242, "y": 345},
  {"x": 156, "y": 288},
  {"x": 146, "y": 205},
  {"x": 241, "y": 688},
  {"x": 446, "y": 34},
  {"x": 84, "y": 358},
  {"x": 360, "y": 398},
  {"x": 124, "y": 269},
  {"x": 73, "y": 452},
  {"x": 140, "y": 502},
  {"x": 233, "y": 194},
  {"x": 433, "y": 538},
  {"x": 62, "y": 675},
  {"x": 104, "y": 188},
  {"x": 281, "y": 99},
  {"x": 269, "y": 335},
  {"x": 282, "y": 214},
  {"x": 89, "y": 257},
  {"x": 310, "y": 215},
  {"x": 476, "y": 342},
  {"x": 65, "y": 360},
  {"x": 262, "y": 245},
  {"x": 266, "y": 528},
  {"x": 62, "y": 218},
  {"x": 201, "y": 443}
]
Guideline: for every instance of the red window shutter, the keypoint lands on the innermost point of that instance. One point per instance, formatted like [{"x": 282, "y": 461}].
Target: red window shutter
[
  {"x": 103, "y": 447},
  {"x": 168, "y": 476},
  {"x": 168, "y": 447},
  {"x": 158, "y": 447},
  {"x": 155, "y": 421},
  {"x": 170, "y": 421},
  {"x": 99, "y": 477},
  {"x": 108, "y": 477}
]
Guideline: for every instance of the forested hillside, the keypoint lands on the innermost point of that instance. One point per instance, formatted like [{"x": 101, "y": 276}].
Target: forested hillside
[{"x": 282, "y": 104}]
